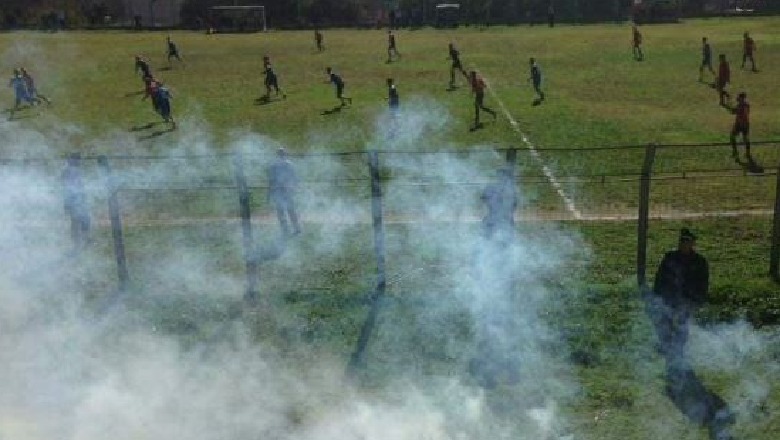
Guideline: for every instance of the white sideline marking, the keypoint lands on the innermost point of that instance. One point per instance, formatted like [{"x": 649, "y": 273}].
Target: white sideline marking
[{"x": 567, "y": 201}]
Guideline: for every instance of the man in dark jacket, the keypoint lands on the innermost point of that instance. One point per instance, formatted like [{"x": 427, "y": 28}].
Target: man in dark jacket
[{"x": 681, "y": 285}]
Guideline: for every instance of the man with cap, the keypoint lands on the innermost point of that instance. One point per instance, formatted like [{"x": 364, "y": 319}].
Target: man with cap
[
  {"x": 282, "y": 181},
  {"x": 681, "y": 285}
]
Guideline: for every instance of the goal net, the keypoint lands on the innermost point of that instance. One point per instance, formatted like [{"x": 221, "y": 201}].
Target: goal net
[{"x": 238, "y": 18}]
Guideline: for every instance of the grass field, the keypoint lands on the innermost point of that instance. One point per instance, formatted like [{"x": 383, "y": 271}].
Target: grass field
[{"x": 187, "y": 277}]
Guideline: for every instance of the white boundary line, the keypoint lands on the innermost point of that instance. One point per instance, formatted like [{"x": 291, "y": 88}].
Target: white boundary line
[{"x": 567, "y": 201}]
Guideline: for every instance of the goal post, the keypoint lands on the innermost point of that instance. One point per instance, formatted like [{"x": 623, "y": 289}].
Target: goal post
[{"x": 249, "y": 18}]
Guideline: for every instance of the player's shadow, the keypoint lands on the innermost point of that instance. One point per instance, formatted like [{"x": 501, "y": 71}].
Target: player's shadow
[
  {"x": 144, "y": 127},
  {"x": 537, "y": 102},
  {"x": 157, "y": 133},
  {"x": 264, "y": 100},
  {"x": 333, "y": 111},
  {"x": 136, "y": 93},
  {"x": 750, "y": 165},
  {"x": 697, "y": 403},
  {"x": 165, "y": 69},
  {"x": 451, "y": 88}
]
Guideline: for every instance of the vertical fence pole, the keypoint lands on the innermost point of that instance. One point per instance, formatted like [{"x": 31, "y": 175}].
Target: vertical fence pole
[
  {"x": 116, "y": 225},
  {"x": 644, "y": 215},
  {"x": 250, "y": 256},
  {"x": 774, "y": 258},
  {"x": 379, "y": 249}
]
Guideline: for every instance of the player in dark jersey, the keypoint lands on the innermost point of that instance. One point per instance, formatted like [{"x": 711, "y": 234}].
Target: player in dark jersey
[
  {"x": 536, "y": 79},
  {"x": 392, "y": 95},
  {"x": 748, "y": 48},
  {"x": 141, "y": 65},
  {"x": 706, "y": 58},
  {"x": 454, "y": 55},
  {"x": 741, "y": 126},
  {"x": 339, "y": 83},
  {"x": 318, "y": 40},
  {"x": 637, "y": 44},
  {"x": 173, "y": 51},
  {"x": 391, "y": 47},
  {"x": 163, "y": 96},
  {"x": 724, "y": 78},
  {"x": 478, "y": 88},
  {"x": 271, "y": 80},
  {"x": 150, "y": 91},
  {"x": 32, "y": 91}
]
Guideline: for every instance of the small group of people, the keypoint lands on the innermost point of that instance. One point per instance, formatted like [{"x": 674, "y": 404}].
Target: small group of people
[
  {"x": 155, "y": 90},
  {"x": 25, "y": 91}
]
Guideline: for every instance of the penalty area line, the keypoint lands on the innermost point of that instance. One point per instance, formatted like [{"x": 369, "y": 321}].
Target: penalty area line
[{"x": 567, "y": 201}]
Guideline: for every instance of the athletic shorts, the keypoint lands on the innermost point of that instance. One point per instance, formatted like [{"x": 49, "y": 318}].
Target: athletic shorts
[
  {"x": 457, "y": 65},
  {"x": 339, "y": 91},
  {"x": 479, "y": 99},
  {"x": 706, "y": 62},
  {"x": 743, "y": 129},
  {"x": 721, "y": 85},
  {"x": 271, "y": 81}
]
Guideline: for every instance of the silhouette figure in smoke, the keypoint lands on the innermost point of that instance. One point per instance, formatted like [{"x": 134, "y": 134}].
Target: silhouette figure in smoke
[
  {"x": 282, "y": 181},
  {"x": 75, "y": 201},
  {"x": 500, "y": 199},
  {"x": 681, "y": 285}
]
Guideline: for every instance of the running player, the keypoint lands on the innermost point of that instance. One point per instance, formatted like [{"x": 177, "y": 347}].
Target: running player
[
  {"x": 741, "y": 126},
  {"x": 142, "y": 66},
  {"x": 32, "y": 91},
  {"x": 271, "y": 80},
  {"x": 456, "y": 65},
  {"x": 173, "y": 51},
  {"x": 339, "y": 83},
  {"x": 478, "y": 88},
  {"x": 391, "y": 47},
  {"x": 318, "y": 40},
  {"x": 724, "y": 78},
  {"x": 20, "y": 91},
  {"x": 536, "y": 79},
  {"x": 706, "y": 58},
  {"x": 748, "y": 47},
  {"x": 392, "y": 95},
  {"x": 637, "y": 39},
  {"x": 150, "y": 91},
  {"x": 164, "y": 104}
]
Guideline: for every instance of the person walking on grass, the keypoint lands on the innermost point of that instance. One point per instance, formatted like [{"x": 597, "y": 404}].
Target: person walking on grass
[
  {"x": 706, "y": 58},
  {"x": 723, "y": 80},
  {"x": 536, "y": 79},
  {"x": 637, "y": 43},
  {"x": 20, "y": 92},
  {"x": 150, "y": 92},
  {"x": 478, "y": 89},
  {"x": 32, "y": 91},
  {"x": 339, "y": 84},
  {"x": 741, "y": 127},
  {"x": 748, "y": 49},
  {"x": 454, "y": 55},
  {"x": 271, "y": 80},
  {"x": 282, "y": 182},
  {"x": 172, "y": 51},
  {"x": 392, "y": 49},
  {"x": 164, "y": 103},
  {"x": 318, "y": 40}
]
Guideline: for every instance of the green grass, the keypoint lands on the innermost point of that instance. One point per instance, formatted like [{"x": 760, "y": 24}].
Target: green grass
[{"x": 315, "y": 294}]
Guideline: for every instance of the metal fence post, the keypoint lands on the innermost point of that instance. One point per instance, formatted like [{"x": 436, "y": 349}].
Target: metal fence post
[
  {"x": 774, "y": 258},
  {"x": 379, "y": 249},
  {"x": 115, "y": 215},
  {"x": 250, "y": 255},
  {"x": 644, "y": 215}
]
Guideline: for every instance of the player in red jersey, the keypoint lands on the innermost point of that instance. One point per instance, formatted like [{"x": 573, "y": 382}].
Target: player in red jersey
[
  {"x": 748, "y": 48},
  {"x": 478, "y": 88},
  {"x": 741, "y": 126},
  {"x": 724, "y": 78}
]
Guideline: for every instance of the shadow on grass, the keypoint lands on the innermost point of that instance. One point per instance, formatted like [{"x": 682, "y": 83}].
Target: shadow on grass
[
  {"x": 157, "y": 133},
  {"x": 333, "y": 111},
  {"x": 144, "y": 127},
  {"x": 697, "y": 403},
  {"x": 136, "y": 93}
]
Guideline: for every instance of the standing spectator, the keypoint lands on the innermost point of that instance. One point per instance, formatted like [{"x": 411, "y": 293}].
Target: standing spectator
[
  {"x": 478, "y": 88},
  {"x": 741, "y": 126},
  {"x": 748, "y": 48},
  {"x": 637, "y": 43},
  {"x": 75, "y": 201},
  {"x": 681, "y": 285},
  {"x": 32, "y": 91},
  {"x": 500, "y": 199},
  {"x": 706, "y": 58},
  {"x": 724, "y": 78},
  {"x": 282, "y": 182},
  {"x": 536, "y": 79},
  {"x": 551, "y": 15}
]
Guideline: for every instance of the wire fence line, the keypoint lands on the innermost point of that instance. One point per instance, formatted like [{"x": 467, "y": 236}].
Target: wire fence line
[{"x": 231, "y": 179}]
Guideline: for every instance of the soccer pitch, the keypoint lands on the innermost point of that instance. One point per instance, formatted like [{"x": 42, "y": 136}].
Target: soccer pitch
[{"x": 182, "y": 354}]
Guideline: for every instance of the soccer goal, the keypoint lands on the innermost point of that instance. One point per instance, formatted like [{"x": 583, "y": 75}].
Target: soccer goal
[{"x": 238, "y": 18}]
